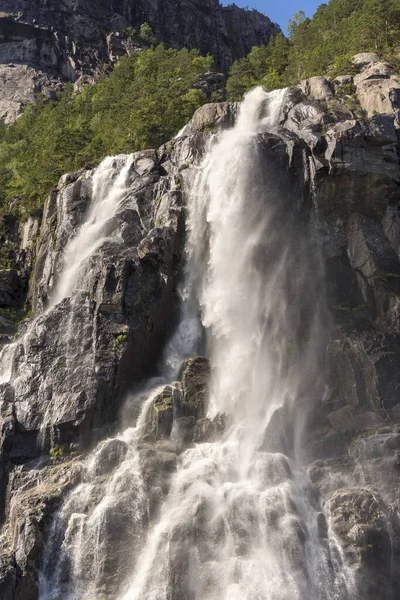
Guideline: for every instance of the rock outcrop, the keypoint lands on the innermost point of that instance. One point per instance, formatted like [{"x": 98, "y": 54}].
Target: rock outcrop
[
  {"x": 341, "y": 161},
  {"x": 44, "y": 44}
]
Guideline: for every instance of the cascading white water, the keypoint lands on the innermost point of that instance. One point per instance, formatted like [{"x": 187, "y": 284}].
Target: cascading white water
[
  {"x": 239, "y": 522},
  {"x": 77, "y": 533},
  {"x": 109, "y": 190}
]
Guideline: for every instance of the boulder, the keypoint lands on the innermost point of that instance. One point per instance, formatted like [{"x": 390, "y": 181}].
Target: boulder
[
  {"x": 108, "y": 455},
  {"x": 365, "y": 59},
  {"x": 377, "y": 70},
  {"x": 211, "y": 116},
  {"x": 317, "y": 88}
]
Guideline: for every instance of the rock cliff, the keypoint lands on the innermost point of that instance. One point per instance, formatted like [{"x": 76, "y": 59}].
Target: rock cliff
[
  {"x": 45, "y": 43},
  {"x": 338, "y": 149}
]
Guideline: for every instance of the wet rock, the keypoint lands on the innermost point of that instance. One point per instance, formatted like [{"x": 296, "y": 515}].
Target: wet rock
[
  {"x": 331, "y": 474},
  {"x": 345, "y": 173},
  {"x": 391, "y": 226},
  {"x": 8, "y": 579},
  {"x": 164, "y": 415},
  {"x": 108, "y": 456},
  {"x": 209, "y": 430},
  {"x": 157, "y": 466},
  {"x": 183, "y": 431},
  {"x": 359, "y": 519},
  {"x": 345, "y": 419},
  {"x": 117, "y": 327},
  {"x": 34, "y": 493},
  {"x": 160, "y": 416},
  {"x": 363, "y": 376},
  {"x": 195, "y": 383}
]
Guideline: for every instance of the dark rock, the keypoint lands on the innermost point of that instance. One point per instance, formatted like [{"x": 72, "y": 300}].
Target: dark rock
[
  {"x": 207, "y": 430},
  {"x": 369, "y": 250},
  {"x": 359, "y": 519},
  {"x": 364, "y": 376},
  {"x": 9, "y": 286},
  {"x": 391, "y": 226},
  {"x": 195, "y": 383},
  {"x": 34, "y": 494},
  {"x": 118, "y": 326},
  {"x": 7, "y": 326},
  {"x": 157, "y": 467}
]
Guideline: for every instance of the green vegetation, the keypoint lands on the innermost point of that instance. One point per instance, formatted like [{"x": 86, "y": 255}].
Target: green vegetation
[
  {"x": 118, "y": 342},
  {"x": 265, "y": 65},
  {"x": 57, "y": 452},
  {"x": 16, "y": 314},
  {"x": 146, "y": 100},
  {"x": 321, "y": 45}
]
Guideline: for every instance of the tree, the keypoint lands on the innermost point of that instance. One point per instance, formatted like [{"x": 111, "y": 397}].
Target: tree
[
  {"x": 143, "y": 103},
  {"x": 298, "y": 18}
]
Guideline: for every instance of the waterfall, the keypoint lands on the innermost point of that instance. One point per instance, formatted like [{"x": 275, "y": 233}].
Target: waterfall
[
  {"x": 240, "y": 521},
  {"x": 19, "y": 362},
  {"x": 109, "y": 190}
]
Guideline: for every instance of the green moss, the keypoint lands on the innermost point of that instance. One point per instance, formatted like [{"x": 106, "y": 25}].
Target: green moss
[
  {"x": 57, "y": 452},
  {"x": 118, "y": 342},
  {"x": 164, "y": 403}
]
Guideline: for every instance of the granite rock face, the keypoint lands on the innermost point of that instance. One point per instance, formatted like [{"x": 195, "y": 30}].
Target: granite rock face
[
  {"x": 44, "y": 44},
  {"x": 343, "y": 168}
]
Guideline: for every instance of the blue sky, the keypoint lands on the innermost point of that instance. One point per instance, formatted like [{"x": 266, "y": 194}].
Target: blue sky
[{"x": 280, "y": 11}]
